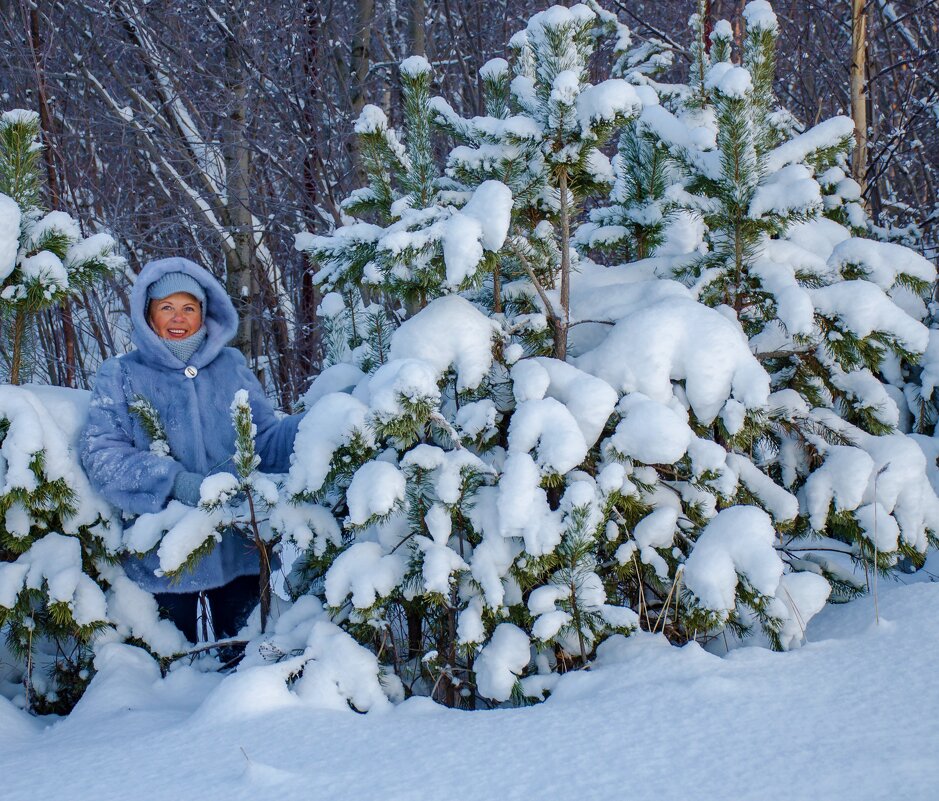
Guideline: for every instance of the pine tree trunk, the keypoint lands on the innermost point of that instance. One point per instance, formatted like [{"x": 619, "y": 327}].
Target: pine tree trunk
[
  {"x": 497, "y": 289},
  {"x": 859, "y": 92},
  {"x": 264, "y": 587},
  {"x": 68, "y": 333},
  {"x": 264, "y": 563},
  {"x": 452, "y": 694},
  {"x": 562, "y": 322},
  {"x": 414, "y": 614},
  {"x": 19, "y": 327}
]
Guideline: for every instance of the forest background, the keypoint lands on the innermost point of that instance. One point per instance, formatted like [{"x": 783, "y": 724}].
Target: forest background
[{"x": 218, "y": 130}]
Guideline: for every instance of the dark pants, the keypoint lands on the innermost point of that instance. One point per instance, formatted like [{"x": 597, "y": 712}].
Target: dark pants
[{"x": 230, "y": 604}]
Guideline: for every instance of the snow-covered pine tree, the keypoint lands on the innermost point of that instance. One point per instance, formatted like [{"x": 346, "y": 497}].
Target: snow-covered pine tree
[
  {"x": 63, "y": 594},
  {"x": 632, "y": 225},
  {"x": 43, "y": 256},
  {"x": 824, "y": 311},
  {"x": 59, "y": 541},
  {"x": 700, "y": 55},
  {"x": 502, "y": 136},
  {"x": 542, "y": 136},
  {"x": 421, "y": 244},
  {"x": 482, "y": 514},
  {"x": 257, "y": 489},
  {"x": 56, "y": 538}
]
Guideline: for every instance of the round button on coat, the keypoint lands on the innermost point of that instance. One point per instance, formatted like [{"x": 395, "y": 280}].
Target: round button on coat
[{"x": 191, "y": 372}]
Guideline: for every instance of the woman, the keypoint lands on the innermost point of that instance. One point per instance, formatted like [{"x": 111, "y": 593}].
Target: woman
[{"x": 182, "y": 319}]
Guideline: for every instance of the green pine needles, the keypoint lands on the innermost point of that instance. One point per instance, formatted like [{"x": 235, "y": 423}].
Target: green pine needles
[
  {"x": 44, "y": 259},
  {"x": 539, "y": 450},
  {"x": 57, "y": 541},
  {"x": 149, "y": 419}
]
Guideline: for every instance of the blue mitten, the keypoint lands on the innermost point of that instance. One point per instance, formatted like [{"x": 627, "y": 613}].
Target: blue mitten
[{"x": 186, "y": 487}]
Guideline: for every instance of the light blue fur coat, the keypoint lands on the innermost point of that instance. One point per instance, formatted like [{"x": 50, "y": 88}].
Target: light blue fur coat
[{"x": 115, "y": 449}]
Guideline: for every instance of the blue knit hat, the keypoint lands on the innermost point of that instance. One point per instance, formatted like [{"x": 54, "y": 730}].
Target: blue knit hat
[{"x": 176, "y": 282}]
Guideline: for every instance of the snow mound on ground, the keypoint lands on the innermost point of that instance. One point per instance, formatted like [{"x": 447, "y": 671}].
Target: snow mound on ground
[
  {"x": 16, "y": 723},
  {"x": 251, "y": 692},
  {"x": 125, "y": 678},
  {"x": 630, "y": 682}
]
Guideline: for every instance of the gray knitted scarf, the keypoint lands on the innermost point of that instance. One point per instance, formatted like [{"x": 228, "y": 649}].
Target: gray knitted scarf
[{"x": 183, "y": 349}]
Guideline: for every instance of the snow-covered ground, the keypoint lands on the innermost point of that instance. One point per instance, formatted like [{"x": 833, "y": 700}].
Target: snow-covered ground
[{"x": 852, "y": 714}]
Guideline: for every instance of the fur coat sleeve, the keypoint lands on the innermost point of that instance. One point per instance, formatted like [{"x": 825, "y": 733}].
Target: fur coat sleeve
[{"x": 118, "y": 462}]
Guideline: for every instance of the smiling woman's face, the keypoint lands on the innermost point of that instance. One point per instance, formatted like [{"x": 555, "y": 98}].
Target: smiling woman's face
[{"x": 176, "y": 316}]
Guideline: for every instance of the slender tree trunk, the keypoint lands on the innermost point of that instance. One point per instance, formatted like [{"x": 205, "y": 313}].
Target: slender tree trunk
[
  {"x": 563, "y": 320},
  {"x": 96, "y": 330},
  {"x": 19, "y": 327},
  {"x": 240, "y": 281},
  {"x": 416, "y": 24},
  {"x": 358, "y": 67},
  {"x": 859, "y": 92},
  {"x": 497, "y": 289},
  {"x": 50, "y": 344},
  {"x": 281, "y": 336},
  {"x": 308, "y": 344},
  {"x": 55, "y": 194},
  {"x": 45, "y": 116},
  {"x": 264, "y": 563},
  {"x": 452, "y": 694},
  {"x": 414, "y": 614}
]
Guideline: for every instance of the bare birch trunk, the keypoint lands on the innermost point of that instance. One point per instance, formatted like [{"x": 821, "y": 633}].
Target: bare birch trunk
[{"x": 859, "y": 92}]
